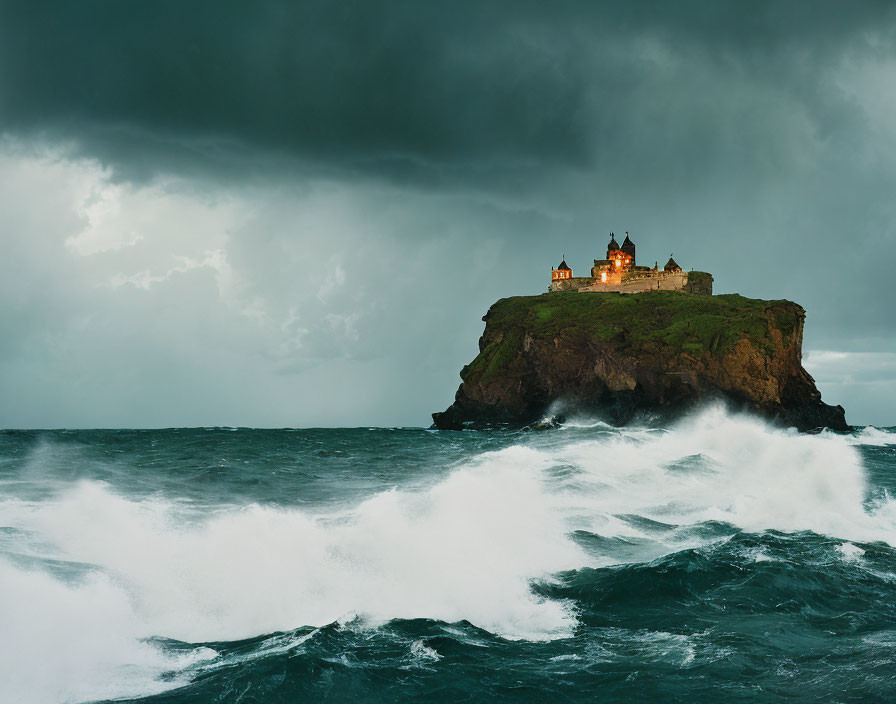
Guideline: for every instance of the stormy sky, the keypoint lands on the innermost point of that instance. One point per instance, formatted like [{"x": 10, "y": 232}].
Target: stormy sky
[{"x": 296, "y": 213}]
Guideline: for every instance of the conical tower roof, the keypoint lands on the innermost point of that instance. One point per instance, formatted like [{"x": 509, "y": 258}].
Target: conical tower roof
[
  {"x": 613, "y": 244},
  {"x": 671, "y": 264},
  {"x": 563, "y": 265},
  {"x": 627, "y": 245}
]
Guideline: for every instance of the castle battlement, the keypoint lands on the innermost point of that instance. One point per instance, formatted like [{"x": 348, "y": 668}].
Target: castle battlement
[{"x": 619, "y": 273}]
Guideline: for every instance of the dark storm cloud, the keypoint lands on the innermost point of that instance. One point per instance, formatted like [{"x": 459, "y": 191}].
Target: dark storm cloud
[
  {"x": 395, "y": 85},
  {"x": 314, "y": 79}
]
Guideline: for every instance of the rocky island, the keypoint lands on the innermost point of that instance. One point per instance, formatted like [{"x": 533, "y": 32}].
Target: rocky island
[{"x": 617, "y": 355}]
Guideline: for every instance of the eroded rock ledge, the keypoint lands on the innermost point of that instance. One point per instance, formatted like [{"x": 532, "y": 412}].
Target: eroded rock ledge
[{"x": 618, "y": 355}]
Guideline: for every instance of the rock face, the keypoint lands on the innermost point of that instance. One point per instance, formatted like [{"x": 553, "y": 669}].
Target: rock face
[{"x": 618, "y": 355}]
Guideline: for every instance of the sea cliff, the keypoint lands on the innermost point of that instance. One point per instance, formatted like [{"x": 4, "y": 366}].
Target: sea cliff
[{"x": 620, "y": 355}]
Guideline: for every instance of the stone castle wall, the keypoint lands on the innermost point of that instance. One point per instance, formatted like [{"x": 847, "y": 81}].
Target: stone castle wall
[
  {"x": 635, "y": 283},
  {"x": 574, "y": 284},
  {"x": 658, "y": 281}
]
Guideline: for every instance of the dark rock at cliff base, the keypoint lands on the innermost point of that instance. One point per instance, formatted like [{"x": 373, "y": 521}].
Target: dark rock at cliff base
[{"x": 621, "y": 356}]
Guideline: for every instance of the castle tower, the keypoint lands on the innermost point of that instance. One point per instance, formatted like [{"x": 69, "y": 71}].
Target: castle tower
[
  {"x": 628, "y": 248},
  {"x": 621, "y": 259},
  {"x": 561, "y": 272},
  {"x": 612, "y": 248}
]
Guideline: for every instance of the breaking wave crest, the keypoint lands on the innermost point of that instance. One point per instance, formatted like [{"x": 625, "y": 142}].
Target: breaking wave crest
[{"x": 871, "y": 435}]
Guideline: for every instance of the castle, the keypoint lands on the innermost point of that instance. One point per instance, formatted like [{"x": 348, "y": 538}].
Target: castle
[{"x": 620, "y": 273}]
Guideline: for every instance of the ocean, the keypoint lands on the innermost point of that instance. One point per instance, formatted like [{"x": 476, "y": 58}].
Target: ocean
[{"x": 719, "y": 559}]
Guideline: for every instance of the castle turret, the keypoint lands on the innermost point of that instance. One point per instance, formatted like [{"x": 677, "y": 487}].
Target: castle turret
[
  {"x": 628, "y": 248},
  {"x": 613, "y": 247},
  {"x": 561, "y": 272}
]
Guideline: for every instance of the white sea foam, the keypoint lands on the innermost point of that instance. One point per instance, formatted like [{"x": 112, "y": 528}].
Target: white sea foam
[
  {"x": 732, "y": 469},
  {"x": 850, "y": 552},
  {"x": 467, "y": 547},
  {"x": 76, "y": 641},
  {"x": 422, "y": 654},
  {"x": 869, "y": 435},
  {"x": 464, "y": 549}
]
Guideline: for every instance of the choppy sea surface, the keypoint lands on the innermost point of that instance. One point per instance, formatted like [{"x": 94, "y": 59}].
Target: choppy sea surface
[{"x": 716, "y": 560}]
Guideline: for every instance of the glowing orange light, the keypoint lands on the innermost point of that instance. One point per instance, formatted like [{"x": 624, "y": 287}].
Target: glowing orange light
[{"x": 603, "y": 277}]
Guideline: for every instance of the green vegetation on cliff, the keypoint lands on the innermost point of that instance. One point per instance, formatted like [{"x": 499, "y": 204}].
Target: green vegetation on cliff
[{"x": 653, "y": 321}]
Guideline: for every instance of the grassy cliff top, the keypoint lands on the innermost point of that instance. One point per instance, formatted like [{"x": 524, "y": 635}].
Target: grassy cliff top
[{"x": 690, "y": 323}]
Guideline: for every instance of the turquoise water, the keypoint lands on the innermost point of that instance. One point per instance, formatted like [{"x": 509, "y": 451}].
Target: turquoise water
[{"x": 719, "y": 559}]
